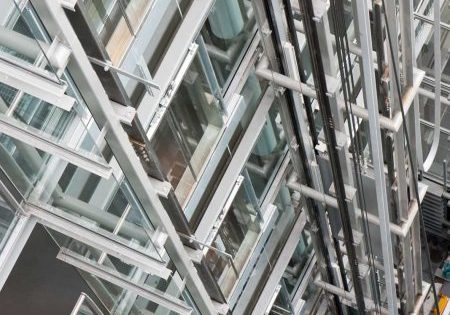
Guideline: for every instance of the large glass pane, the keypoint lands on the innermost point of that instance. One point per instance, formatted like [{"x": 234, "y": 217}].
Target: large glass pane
[
  {"x": 191, "y": 125},
  {"x": 101, "y": 204},
  {"x": 74, "y": 129},
  {"x": 166, "y": 17},
  {"x": 227, "y": 31},
  {"x": 115, "y": 298},
  {"x": 22, "y": 39},
  {"x": 107, "y": 19},
  {"x": 251, "y": 92},
  {"x": 237, "y": 236},
  {"x": 267, "y": 152}
]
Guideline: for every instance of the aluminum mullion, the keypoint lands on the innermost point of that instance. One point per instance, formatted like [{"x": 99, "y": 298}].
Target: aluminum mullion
[
  {"x": 37, "y": 139},
  {"x": 112, "y": 276}
]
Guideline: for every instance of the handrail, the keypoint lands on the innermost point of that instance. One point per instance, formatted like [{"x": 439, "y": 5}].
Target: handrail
[{"x": 91, "y": 304}]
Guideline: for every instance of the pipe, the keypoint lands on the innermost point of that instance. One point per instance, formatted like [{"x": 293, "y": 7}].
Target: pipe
[
  {"x": 393, "y": 124},
  {"x": 348, "y": 296},
  {"x": 400, "y": 230},
  {"x": 263, "y": 71},
  {"x": 431, "y": 95}
]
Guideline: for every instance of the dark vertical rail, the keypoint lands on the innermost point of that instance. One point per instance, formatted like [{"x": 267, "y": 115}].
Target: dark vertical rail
[
  {"x": 324, "y": 254},
  {"x": 306, "y": 100},
  {"x": 328, "y": 124}
]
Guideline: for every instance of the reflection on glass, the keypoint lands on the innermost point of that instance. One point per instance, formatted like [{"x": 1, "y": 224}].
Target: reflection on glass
[
  {"x": 117, "y": 22},
  {"x": 188, "y": 132},
  {"x": 23, "y": 41},
  {"x": 251, "y": 93},
  {"x": 267, "y": 152},
  {"x": 115, "y": 298},
  {"x": 237, "y": 236},
  {"x": 73, "y": 128},
  {"x": 228, "y": 29}
]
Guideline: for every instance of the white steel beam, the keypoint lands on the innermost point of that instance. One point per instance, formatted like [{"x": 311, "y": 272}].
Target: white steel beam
[
  {"x": 171, "y": 303},
  {"x": 111, "y": 244},
  {"x": 35, "y": 84},
  {"x": 35, "y": 138}
]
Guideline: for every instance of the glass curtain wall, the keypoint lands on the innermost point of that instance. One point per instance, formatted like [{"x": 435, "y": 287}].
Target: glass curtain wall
[{"x": 241, "y": 228}]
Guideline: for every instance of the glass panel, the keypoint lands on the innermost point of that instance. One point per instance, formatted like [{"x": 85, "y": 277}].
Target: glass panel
[
  {"x": 74, "y": 129},
  {"x": 252, "y": 93},
  {"x": 192, "y": 125},
  {"x": 107, "y": 19},
  {"x": 311, "y": 295},
  {"x": 7, "y": 222},
  {"x": 22, "y": 163},
  {"x": 87, "y": 306},
  {"x": 136, "y": 10},
  {"x": 108, "y": 205},
  {"x": 267, "y": 152},
  {"x": 288, "y": 210},
  {"x": 166, "y": 16},
  {"x": 237, "y": 236},
  {"x": 436, "y": 169},
  {"x": 227, "y": 31},
  {"x": 23, "y": 40},
  {"x": 117, "y": 299}
]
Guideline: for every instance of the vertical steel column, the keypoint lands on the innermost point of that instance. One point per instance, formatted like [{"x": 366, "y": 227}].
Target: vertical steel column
[
  {"x": 370, "y": 97},
  {"x": 407, "y": 34}
]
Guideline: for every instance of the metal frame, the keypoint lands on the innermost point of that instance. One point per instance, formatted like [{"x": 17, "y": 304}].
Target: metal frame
[
  {"x": 280, "y": 266},
  {"x": 370, "y": 96},
  {"x": 203, "y": 232},
  {"x": 34, "y": 137},
  {"x": 110, "y": 243},
  {"x": 99, "y": 105},
  {"x": 173, "y": 59},
  {"x": 120, "y": 280},
  {"x": 35, "y": 84}
]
